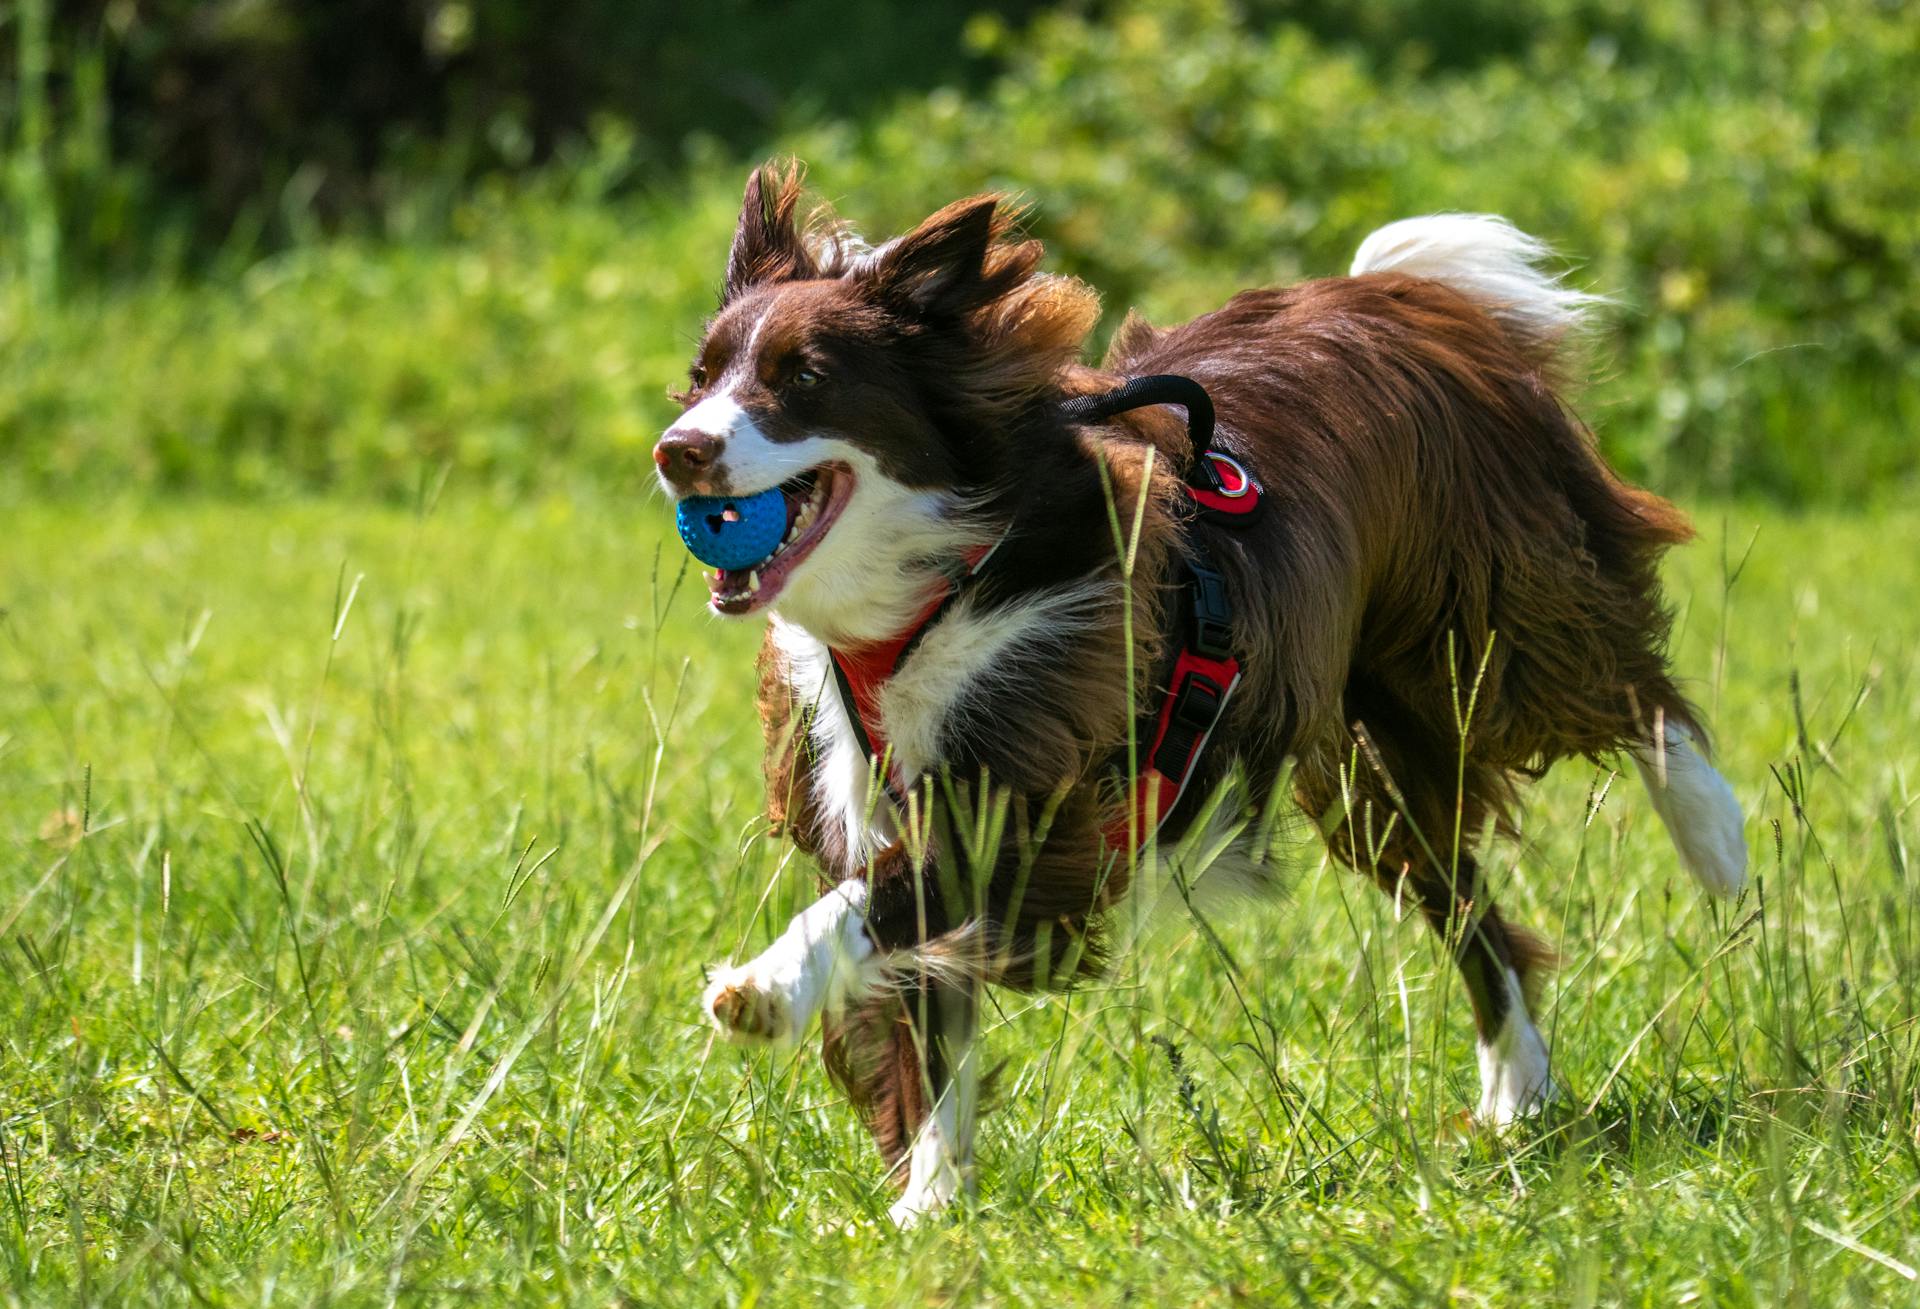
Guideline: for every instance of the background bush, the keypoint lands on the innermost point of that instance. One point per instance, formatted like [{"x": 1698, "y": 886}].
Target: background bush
[
  {"x": 495, "y": 275},
  {"x": 244, "y": 123}
]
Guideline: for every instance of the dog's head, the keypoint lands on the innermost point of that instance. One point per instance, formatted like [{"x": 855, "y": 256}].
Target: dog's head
[{"x": 881, "y": 389}]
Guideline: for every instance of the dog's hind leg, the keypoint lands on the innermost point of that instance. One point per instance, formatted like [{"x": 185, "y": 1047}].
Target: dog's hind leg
[
  {"x": 1496, "y": 961},
  {"x": 1414, "y": 861}
]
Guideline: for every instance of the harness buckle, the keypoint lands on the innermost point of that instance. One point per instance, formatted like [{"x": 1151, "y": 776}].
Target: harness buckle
[
  {"x": 1197, "y": 702},
  {"x": 1218, "y": 466},
  {"x": 1212, "y": 613}
]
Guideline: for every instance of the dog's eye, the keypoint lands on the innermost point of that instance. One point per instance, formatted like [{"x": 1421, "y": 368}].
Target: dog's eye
[
  {"x": 806, "y": 377},
  {"x": 698, "y": 376}
]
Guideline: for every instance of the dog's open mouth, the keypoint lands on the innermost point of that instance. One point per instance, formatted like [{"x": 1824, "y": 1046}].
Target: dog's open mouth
[{"x": 814, "y": 500}]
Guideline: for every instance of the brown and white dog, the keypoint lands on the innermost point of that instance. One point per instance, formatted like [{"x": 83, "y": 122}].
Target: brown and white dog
[{"x": 1435, "y": 520}]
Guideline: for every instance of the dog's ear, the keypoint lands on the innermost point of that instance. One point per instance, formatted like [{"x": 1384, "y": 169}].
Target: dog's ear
[
  {"x": 767, "y": 245},
  {"x": 945, "y": 267}
]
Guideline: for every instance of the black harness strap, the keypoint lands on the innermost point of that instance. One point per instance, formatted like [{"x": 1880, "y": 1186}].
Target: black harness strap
[
  {"x": 1157, "y": 389},
  {"x": 1204, "y": 672}
]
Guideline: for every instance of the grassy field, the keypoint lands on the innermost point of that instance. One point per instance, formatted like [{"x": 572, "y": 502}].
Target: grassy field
[{"x": 360, "y": 867}]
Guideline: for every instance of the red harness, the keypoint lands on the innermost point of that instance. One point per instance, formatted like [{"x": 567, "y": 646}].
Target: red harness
[
  {"x": 1171, "y": 738},
  {"x": 863, "y": 671}
]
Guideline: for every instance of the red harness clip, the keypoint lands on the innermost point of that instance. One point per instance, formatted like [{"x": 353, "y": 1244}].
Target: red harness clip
[{"x": 1194, "y": 706}]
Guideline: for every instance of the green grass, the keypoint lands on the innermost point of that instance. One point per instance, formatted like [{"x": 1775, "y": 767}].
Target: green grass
[{"x": 360, "y": 866}]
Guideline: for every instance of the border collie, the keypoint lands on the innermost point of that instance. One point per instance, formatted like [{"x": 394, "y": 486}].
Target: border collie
[{"x": 1436, "y": 527}]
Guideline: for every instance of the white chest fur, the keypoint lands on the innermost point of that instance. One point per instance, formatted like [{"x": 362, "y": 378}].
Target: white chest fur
[
  {"x": 958, "y": 662},
  {"x": 857, "y": 813}
]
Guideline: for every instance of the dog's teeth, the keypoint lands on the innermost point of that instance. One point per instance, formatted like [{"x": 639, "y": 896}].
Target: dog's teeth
[{"x": 753, "y": 580}]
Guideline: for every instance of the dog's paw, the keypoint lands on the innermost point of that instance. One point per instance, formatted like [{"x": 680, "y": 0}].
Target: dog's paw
[
  {"x": 937, "y": 1170},
  {"x": 922, "y": 1204},
  {"x": 1504, "y": 1106},
  {"x": 1516, "y": 1080},
  {"x": 773, "y": 998},
  {"x": 748, "y": 1007}
]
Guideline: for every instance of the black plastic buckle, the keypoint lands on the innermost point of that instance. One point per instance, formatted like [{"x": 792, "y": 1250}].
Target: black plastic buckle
[
  {"x": 1212, "y": 612},
  {"x": 1196, "y": 708},
  {"x": 1198, "y": 704}
]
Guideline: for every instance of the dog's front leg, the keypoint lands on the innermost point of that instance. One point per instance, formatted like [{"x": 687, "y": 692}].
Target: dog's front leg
[
  {"x": 939, "y": 1166},
  {"x": 907, "y": 1060},
  {"x": 773, "y": 998}
]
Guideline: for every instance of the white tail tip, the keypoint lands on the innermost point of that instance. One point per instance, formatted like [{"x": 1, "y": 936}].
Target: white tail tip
[
  {"x": 1489, "y": 261},
  {"x": 1698, "y": 807}
]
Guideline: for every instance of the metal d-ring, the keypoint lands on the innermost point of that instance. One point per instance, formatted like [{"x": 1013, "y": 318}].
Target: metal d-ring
[{"x": 1246, "y": 481}]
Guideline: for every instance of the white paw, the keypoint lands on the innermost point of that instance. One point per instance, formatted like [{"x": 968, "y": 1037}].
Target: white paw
[
  {"x": 773, "y": 998},
  {"x": 751, "y": 1008},
  {"x": 938, "y": 1167},
  {"x": 923, "y": 1201},
  {"x": 1516, "y": 1079},
  {"x": 1509, "y": 1100}
]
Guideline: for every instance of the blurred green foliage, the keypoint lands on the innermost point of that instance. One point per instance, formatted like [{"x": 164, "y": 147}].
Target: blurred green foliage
[
  {"x": 189, "y": 126},
  {"x": 1743, "y": 179}
]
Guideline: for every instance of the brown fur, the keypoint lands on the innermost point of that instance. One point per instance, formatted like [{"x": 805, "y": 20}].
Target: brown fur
[{"x": 1438, "y": 528}]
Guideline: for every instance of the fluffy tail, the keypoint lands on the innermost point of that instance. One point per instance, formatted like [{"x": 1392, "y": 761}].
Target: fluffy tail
[
  {"x": 1698, "y": 807},
  {"x": 1491, "y": 262}
]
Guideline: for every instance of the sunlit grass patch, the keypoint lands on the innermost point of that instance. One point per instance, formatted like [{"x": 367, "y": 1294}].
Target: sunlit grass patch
[{"x": 361, "y": 864}]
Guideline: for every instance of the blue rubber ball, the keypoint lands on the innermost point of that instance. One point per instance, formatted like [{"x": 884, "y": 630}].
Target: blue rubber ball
[{"x": 733, "y": 531}]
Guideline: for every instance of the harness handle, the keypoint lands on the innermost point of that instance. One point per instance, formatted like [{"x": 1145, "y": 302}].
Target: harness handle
[{"x": 1158, "y": 389}]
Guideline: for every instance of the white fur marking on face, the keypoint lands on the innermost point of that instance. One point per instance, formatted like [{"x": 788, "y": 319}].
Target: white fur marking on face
[
  {"x": 940, "y": 1166},
  {"x": 773, "y": 998},
  {"x": 841, "y": 776},
  {"x": 717, "y": 415},
  {"x": 1515, "y": 1079},
  {"x": 753, "y": 462},
  {"x": 972, "y": 647},
  {"x": 744, "y": 362},
  {"x": 868, "y": 577},
  {"x": 1699, "y": 810}
]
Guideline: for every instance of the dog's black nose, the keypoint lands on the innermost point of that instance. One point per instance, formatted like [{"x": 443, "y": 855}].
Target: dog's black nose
[{"x": 686, "y": 457}]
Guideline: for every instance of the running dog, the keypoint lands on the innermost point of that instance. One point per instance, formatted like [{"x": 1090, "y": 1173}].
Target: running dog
[{"x": 1025, "y": 629}]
